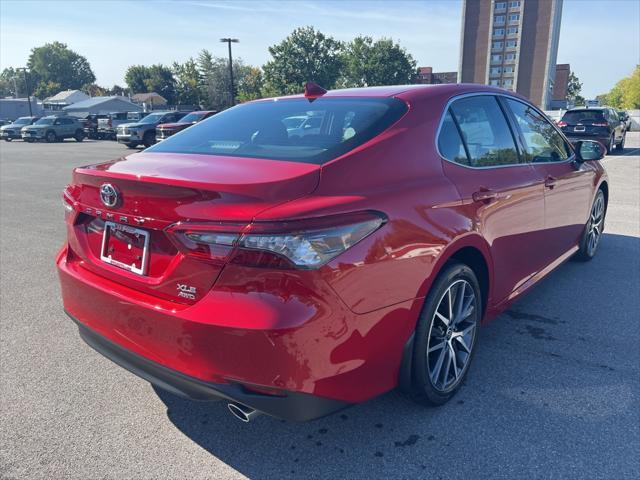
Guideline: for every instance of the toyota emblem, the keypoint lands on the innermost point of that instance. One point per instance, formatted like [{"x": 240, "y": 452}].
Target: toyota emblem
[{"x": 109, "y": 195}]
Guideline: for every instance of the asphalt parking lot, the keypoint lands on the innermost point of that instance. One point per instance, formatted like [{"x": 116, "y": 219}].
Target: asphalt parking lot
[{"x": 553, "y": 393}]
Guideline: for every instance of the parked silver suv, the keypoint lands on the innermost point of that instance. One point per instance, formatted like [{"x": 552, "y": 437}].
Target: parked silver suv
[
  {"x": 144, "y": 131},
  {"x": 53, "y": 129}
]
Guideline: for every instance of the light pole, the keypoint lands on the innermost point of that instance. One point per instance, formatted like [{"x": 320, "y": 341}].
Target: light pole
[
  {"x": 229, "y": 41},
  {"x": 26, "y": 84}
]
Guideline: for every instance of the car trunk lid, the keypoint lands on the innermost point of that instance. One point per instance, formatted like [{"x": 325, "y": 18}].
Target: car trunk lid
[{"x": 157, "y": 190}]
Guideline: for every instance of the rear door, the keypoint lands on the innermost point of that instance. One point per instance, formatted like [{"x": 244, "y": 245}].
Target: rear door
[
  {"x": 568, "y": 185},
  {"x": 503, "y": 193}
]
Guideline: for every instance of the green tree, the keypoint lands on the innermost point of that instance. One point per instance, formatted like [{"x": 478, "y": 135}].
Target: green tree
[
  {"x": 135, "y": 76},
  {"x": 187, "y": 79},
  {"x": 625, "y": 94},
  {"x": 54, "y": 67},
  {"x": 117, "y": 90},
  {"x": 155, "y": 78},
  {"x": 12, "y": 83},
  {"x": 250, "y": 84},
  {"x": 305, "y": 55},
  {"x": 368, "y": 63},
  {"x": 215, "y": 81},
  {"x": 94, "y": 90},
  {"x": 574, "y": 90}
]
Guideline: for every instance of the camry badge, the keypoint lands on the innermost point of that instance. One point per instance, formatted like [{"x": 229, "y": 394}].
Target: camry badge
[{"x": 109, "y": 195}]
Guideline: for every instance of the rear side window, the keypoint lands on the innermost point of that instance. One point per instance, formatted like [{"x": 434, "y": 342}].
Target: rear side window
[
  {"x": 485, "y": 131},
  {"x": 449, "y": 142},
  {"x": 542, "y": 142},
  {"x": 585, "y": 117},
  {"x": 277, "y": 129}
]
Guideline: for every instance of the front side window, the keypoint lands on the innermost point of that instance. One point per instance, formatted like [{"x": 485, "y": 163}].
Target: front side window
[
  {"x": 267, "y": 129},
  {"x": 542, "y": 142},
  {"x": 486, "y": 132}
]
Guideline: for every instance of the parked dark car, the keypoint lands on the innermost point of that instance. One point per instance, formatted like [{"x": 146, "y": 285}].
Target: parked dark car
[
  {"x": 598, "y": 123},
  {"x": 626, "y": 119},
  {"x": 298, "y": 275},
  {"x": 165, "y": 130},
  {"x": 12, "y": 130},
  {"x": 90, "y": 123}
]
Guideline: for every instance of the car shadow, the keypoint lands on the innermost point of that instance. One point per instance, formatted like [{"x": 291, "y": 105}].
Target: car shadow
[{"x": 533, "y": 390}]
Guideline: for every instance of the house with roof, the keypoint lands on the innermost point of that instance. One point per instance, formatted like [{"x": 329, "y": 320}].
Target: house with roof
[
  {"x": 102, "y": 105},
  {"x": 64, "y": 99},
  {"x": 151, "y": 99}
]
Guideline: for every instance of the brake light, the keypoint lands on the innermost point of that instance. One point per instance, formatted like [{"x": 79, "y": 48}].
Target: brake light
[
  {"x": 109, "y": 123},
  {"x": 562, "y": 123},
  {"x": 600, "y": 124},
  {"x": 68, "y": 203},
  {"x": 305, "y": 244}
]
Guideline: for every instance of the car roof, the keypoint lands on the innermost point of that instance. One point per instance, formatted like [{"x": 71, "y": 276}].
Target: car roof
[
  {"x": 410, "y": 91},
  {"x": 583, "y": 109}
]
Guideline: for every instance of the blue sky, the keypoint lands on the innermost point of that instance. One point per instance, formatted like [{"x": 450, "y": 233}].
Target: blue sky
[{"x": 599, "y": 38}]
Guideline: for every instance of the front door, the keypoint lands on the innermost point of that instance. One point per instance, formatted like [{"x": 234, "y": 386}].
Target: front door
[
  {"x": 504, "y": 194},
  {"x": 568, "y": 185}
]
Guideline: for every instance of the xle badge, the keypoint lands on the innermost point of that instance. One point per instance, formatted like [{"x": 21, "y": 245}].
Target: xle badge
[{"x": 186, "y": 291}]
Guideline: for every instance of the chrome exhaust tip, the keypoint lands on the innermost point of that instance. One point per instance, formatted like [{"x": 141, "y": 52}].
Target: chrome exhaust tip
[{"x": 242, "y": 412}]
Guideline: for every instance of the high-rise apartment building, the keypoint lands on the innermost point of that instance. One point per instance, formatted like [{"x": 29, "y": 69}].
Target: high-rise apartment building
[{"x": 511, "y": 44}]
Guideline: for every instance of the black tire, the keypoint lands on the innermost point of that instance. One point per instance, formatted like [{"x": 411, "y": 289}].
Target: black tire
[
  {"x": 612, "y": 143},
  {"x": 149, "y": 139},
  {"x": 51, "y": 136},
  {"x": 587, "y": 250},
  {"x": 131, "y": 145},
  {"x": 620, "y": 146},
  {"x": 28, "y": 140},
  {"x": 79, "y": 136},
  {"x": 423, "y": 389},
  {"x": 7, "y": 139}
]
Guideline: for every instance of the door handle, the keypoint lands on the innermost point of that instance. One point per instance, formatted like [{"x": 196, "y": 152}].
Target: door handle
[
  {"x": 484, "y": 195},
  {"x": 550, "y": 182}
]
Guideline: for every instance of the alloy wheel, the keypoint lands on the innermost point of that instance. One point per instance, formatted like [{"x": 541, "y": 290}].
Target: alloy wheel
[
  {"x": 452, "y": 336},
  {"x": 596, "y": 219}
]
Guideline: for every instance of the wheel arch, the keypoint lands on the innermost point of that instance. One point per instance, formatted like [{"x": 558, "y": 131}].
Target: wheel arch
[{"x": 471, "y": 250}]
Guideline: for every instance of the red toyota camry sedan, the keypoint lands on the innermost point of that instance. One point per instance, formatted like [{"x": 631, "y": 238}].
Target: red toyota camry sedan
[{"x": 294, "y": 271}]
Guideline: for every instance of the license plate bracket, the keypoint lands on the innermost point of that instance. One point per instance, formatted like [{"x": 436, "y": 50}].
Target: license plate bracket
[
  {"x": 579, "y": 128},
  {"x": 125, "y": 247}
]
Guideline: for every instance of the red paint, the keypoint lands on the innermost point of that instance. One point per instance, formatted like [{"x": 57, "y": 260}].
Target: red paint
[{"x": 337, "y": 331}]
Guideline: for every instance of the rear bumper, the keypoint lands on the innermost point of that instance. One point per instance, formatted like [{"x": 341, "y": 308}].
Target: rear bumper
[
  {"x": 576, "y": 138},
  {"x": 282, "y": 334},
  {"x": 289, "y": 405}
]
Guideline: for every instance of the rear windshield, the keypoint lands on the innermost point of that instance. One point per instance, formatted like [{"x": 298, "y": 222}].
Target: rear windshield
[
  {"x": 323, "y": 129},
  {"x": 583, "y": 116}
]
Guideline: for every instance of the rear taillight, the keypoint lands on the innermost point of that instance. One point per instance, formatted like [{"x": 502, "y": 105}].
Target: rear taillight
[
  {"x": 109, "y": 123},
  {"x": 562, "y": 124},
  {"x": 68, "y": 203},
  {"x": 600, "y": 124},
  {"x": 306, "y": 244}
]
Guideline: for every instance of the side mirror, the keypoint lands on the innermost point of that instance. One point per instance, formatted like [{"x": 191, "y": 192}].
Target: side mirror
[{"x": 589, "y": 150}]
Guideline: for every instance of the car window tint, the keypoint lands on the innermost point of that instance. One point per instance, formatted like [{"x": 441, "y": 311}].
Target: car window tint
[
  {"x": 485, "y": 131},
  {"x": 449, "y": 141},
  {"x": 277, "y": 129},
  {"x": 585, "y": 117},
  {"x": 542, "y": 142}
]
